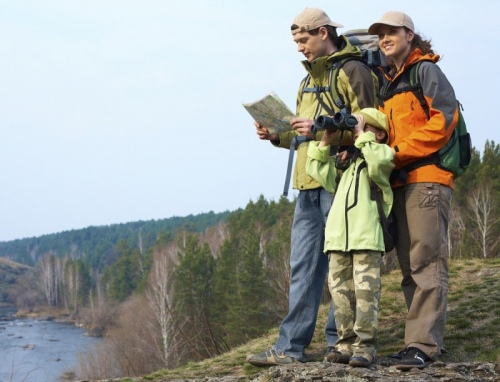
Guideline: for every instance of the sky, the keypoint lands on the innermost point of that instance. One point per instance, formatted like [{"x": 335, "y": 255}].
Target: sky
[{"x": 114, "y": 111}]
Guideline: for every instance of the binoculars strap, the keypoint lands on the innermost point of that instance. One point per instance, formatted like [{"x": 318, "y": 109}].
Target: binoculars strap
[{"x": 296, "y": 141}]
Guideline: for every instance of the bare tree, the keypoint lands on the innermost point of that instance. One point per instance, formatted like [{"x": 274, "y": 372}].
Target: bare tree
[
  {"x": 483, "y": 206},
  {"x": 159, "y": 293},
  {"x": 456, "y": 228},
  {"x": 215, "y": 236},
  {"x": 72, "y": 282},
  {"x": 46, "y": 278},
  {"x": 275, "y": 251}
]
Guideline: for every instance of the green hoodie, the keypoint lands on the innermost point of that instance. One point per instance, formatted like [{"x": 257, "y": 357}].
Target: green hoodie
[
  {"x": 353, "y": 221},
  {"x": 357, "y": 85}
]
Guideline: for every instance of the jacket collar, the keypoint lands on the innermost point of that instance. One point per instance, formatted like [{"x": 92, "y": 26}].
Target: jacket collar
[{"x": 413, "y": 58}]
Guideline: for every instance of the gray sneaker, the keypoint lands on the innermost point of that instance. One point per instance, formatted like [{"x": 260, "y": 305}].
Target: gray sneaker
[{"x": 270, "y": 358}]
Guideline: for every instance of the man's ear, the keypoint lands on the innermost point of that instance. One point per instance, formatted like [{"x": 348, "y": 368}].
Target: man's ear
[{"x": 323, "y": 32}]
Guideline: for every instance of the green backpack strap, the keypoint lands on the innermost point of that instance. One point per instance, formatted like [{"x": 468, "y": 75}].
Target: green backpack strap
[
  {"x": 332, "y": 88},
  {"x": 416, "y": 88}
]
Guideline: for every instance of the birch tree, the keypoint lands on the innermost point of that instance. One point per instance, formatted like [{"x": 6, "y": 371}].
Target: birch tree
[
  {"x": 483, "y": 207},
  {"x": 46, "y": 278},
  {"x": 159, "y": 295}
]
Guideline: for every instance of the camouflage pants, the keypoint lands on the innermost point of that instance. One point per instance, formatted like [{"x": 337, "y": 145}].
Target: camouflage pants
[{"x": 354, "y": 281}]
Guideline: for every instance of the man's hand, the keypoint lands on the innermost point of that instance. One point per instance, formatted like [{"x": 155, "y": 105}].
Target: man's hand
[
  {"x": 264, "y": 134},
  {"x": 303, "y": 126}
]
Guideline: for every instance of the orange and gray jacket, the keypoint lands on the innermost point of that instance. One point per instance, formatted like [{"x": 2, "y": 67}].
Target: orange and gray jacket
[
  {"x": 411, "y": 133},
  {"x": 357, "y": 85}
]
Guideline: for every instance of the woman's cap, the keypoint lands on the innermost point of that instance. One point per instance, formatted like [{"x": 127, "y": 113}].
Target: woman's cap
[
  {"x": 394, "y": 19},
  {"x": 310, "y": 19},
  {"x": 375, "y": 118}
]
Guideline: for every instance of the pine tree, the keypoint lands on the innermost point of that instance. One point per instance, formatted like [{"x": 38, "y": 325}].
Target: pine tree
[
  {"x": 193, "y": 297},
  {"x": 124, "y": 275}
]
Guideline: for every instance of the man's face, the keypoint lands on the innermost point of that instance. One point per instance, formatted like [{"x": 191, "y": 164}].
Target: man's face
[{"x": 311, "y": 46}]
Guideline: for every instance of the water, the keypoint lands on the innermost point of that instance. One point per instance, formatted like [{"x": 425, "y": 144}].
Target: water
[{"x": 39, "y": 351}]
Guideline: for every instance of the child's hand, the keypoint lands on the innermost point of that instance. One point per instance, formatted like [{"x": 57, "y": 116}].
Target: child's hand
[
  {"x": 360, "y": 127},
  {"x": 343, "y": 155}
]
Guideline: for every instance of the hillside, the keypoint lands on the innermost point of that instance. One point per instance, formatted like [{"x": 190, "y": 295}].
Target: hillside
[
  {"x": 96, "y": 244},
  {"x": 472, "y": 339},
  {"x": 9, "y": 272}
]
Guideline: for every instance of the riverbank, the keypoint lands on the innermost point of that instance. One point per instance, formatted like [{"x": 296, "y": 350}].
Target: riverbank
[{"x": 45, "y": 313}]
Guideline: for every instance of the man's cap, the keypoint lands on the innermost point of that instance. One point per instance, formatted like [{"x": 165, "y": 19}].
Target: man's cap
[
  {"x": 375, "y": 118},
  {"x": 310, "y": 19},
  {"x": 394, "y": 19}
]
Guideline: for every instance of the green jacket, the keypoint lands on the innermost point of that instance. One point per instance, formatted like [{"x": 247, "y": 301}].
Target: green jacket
[
  {"x": 357, "y": 85},
  {"x": 353, "y": 221}
]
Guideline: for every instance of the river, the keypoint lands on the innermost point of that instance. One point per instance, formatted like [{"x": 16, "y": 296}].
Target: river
[{"x": 39, "y": 350}]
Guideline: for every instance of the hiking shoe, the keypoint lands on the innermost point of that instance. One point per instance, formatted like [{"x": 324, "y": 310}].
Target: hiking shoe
[
  {"x": 270, "y": 358},
  {"x": 399, "y": 356},
  {"x": 335, "y": 356},
  {"x": 414, "y": 358},
  {"x": 360, "y": 361}
]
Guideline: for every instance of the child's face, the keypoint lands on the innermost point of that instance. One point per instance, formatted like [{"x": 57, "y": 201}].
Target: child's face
[{"x": 380, "y": 135}]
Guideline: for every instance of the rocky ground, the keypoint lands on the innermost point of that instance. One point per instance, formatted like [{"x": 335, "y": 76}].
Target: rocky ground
[
  {"x": 325, "y": 371},
  {"x": 439, "y": 371}
]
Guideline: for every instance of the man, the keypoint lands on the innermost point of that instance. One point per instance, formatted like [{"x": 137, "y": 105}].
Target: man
[{"x": 316, "y": 38}]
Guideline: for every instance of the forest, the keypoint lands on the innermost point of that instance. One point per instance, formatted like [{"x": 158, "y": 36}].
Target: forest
[
  {"x": 96, "y": 244},
  {"x": 193, "y": 294}
]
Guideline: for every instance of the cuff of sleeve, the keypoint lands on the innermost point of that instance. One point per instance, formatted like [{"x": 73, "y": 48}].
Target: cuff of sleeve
[
  {"x": 364, "y": 138},
  {"x": 320, "y": 154}
]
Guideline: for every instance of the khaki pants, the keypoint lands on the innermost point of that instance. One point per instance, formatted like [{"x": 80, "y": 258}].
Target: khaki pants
[
  {"x": 422, "y": 213},
  {"x": 354, "y": 281}
]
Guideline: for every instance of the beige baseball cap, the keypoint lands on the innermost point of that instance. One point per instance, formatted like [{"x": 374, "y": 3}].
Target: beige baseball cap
[
  {"x": 310, "y": 19},
  {"x": 393, "y": 18},
  {"x": 375, "y": 118}
]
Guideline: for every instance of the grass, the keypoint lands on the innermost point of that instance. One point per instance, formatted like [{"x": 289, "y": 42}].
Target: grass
[{"x": 472, "y": 330}]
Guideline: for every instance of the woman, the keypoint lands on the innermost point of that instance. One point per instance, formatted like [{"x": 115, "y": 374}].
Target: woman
[{"x": 421, "y": 195}]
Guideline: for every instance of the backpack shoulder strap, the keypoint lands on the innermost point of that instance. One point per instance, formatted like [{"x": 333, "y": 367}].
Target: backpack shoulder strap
[
  {"x": 413, "y": 85},
  {"x": 332, "y": 87},
  {"x": 416, "y": 88}
]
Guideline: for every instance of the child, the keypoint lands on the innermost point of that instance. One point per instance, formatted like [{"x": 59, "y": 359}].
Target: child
[{"x": 353, "y": 234}]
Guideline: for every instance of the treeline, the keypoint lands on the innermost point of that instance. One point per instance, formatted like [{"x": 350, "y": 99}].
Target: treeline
[
  {"x": 96, "y": 245},
  {"x": 197, "y": 295},
  {"x": 188, "y": 298}
]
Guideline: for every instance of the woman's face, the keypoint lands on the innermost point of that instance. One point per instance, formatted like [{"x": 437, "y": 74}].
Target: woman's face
[{"x": 395, "y": 42}]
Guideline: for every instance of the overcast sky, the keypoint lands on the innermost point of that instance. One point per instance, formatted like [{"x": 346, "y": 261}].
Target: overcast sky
[{"x": 118, "y": 111}]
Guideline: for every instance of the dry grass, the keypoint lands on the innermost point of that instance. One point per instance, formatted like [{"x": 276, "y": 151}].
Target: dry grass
[
  {"x": 13, "y": 264},
  {"x": 472, "y": 326}
]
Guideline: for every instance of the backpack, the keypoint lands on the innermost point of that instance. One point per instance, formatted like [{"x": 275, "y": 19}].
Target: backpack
[
  {"x": 455, "y": 155},
  {"x": 371, "y": 56}
]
